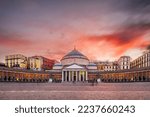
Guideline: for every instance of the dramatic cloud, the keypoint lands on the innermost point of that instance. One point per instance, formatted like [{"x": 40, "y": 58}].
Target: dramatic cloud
[
  {"x": 13, "y": 40},
  {"x": 101, "y": 29},
  {"x": 120, "y": 41},
  {"x": 139, "y": 6}
]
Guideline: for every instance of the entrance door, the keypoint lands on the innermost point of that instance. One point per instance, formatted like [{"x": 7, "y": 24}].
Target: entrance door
[
  {"x": 74, "y": 78},
  {"x": 81, "y": 77}
]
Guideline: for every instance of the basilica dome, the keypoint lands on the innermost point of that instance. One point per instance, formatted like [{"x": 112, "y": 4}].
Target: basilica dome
[{"x": 75, "y": 57}]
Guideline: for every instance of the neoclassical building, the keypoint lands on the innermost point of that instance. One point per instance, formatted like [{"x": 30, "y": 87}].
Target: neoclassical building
[{"x": 75, "y": 67}]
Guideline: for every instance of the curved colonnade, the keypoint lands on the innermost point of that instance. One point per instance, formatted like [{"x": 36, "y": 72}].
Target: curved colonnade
[
  {"x": 7, "y": 75},
  {"x": 132, "y": 75},
  {"x": 138, "y": 75}
]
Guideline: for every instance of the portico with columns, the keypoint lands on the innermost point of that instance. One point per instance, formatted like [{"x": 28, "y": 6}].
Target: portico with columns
[
  {"x": 74, "y": 67},
  {"x": 74, "y": 73}
]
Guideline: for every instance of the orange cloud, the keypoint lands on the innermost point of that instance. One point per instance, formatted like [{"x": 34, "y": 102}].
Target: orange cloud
[
  {"x": 102, "y": 47},
  {"x": 115, "y": 44},
  {"x": 14, "y": 41}
]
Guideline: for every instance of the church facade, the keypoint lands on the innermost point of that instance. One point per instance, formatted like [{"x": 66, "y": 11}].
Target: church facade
[{"x": 74, "y": 67}]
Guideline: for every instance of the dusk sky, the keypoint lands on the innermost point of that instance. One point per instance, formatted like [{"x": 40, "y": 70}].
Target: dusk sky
[{"x": 101, "y": 29}]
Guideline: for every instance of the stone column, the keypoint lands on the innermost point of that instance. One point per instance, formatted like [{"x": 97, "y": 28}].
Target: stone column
[
  {"x": 86, "y": 76},
  {"x": 69, "y": 76},
  {"x": 72, "y": 75},
  {"x": 76, "y": 76},
  {"x": 79, "y": 76}
]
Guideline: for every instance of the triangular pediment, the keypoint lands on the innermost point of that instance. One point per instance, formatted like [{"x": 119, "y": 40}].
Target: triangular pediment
[{"x": 74, "y": 66}]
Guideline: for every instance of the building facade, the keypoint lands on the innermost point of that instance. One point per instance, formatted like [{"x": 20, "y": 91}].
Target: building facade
[
  {"x": 16, "y": 60},
  {"x": 76, "y": 67},
  {"x": 124, "y": 62},
  {"x": 142, "y": 61},
  {"x": 107, "y": 66},
  {"x": 40, "y": 63}
]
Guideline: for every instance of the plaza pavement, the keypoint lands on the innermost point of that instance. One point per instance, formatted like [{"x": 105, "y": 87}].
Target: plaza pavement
[{"x": 75, "y": 91}]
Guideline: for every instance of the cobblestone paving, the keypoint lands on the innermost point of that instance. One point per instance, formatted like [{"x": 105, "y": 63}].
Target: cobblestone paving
[{"x": 75, "y": 91}]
